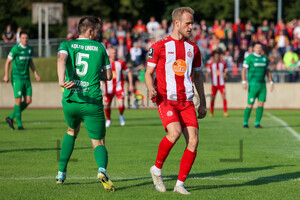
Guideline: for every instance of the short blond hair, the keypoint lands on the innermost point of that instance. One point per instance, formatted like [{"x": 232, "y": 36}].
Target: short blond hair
[{"x": 177, "y": 13}]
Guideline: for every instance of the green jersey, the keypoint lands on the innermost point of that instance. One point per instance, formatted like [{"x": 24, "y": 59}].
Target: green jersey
[
  {"x": 257, "y": 66},
  {"x": 21, "y": 57},
  {"x": 86, "y": 60}
]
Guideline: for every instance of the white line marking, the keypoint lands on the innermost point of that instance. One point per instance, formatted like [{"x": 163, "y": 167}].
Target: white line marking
[
  {"x": 166, "y": 178},
  {"x": 292, "y": 131}
]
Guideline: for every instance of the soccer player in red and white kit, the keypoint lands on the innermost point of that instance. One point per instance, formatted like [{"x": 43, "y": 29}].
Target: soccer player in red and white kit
[
  {"x": 116, "y": 86},
  {"x": 177, "y": 63},
  {"x": 218, "y": 71}
]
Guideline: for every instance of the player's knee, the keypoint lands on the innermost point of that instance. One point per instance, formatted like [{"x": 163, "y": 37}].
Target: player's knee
[
  {"x": 250, "y": 106},
  {"x": 174, "y": 135},
  {"x": 193, "y": 143},
  {"x": 28, "y": 101}
]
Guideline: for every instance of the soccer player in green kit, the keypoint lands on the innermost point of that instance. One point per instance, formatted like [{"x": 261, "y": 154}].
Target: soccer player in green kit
[
  {"x": 21, "y": 55},
  {"x": 81, "y": 64},
  {"x": 258, "y": 67}
]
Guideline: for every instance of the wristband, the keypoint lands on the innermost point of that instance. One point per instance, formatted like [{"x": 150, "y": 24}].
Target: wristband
[
  {"x": 244, "y": 82},
  {"x": 271, "y": 82}
]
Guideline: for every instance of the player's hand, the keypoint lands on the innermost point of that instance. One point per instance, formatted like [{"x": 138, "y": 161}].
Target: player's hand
[
  {"x": 68, "y": 85},
  {"x": 6, "y": 79},
  {"x": 152, "y": 93},
  {"x": 131, "y": 88},
  {"x": 272, "y": 87},
  {"x": 244, "y": 86},
  {"x": 37, "y": 78},
  {"x": 201, "y": 112}
]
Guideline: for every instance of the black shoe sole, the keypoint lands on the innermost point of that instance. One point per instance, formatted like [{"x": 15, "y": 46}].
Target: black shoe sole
[{"x": 10, "y": 123}]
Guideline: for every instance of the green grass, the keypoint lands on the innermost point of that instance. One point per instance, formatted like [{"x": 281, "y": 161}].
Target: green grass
[
  {"x": 46, "y": 68},
  {"x": 269, "y": 170}
]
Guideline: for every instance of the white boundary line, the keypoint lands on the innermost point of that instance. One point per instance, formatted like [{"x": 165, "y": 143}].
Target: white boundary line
[
  {"x": 292, "y": 131},
  {"x": 166, "y": 178}
]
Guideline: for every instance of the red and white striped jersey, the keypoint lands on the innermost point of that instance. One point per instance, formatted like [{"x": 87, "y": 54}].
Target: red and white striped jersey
[
  {"x": 117, "y": 82},
  {"x": 216, "y": 70},
  {"x": 174, "y": 61}
]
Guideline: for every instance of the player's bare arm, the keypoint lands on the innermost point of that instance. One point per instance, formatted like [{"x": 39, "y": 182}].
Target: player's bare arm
[
  {"x": 207, "y": 76},
  {"x": 130, "y": 80},
  {"x": 149, "y": 82},
  {"x": 198, "y": 81},
  {"x": 61, "y": 71},
  {"x": 244, "y": 82},
  {"x": 106, "y": 75},
  {"x": 6, "y": 69},
  {"x": 269, "y": 73},
  {"x": 32, "y": 67}
]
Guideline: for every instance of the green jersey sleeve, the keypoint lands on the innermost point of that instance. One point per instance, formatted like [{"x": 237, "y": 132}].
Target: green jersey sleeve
[
  {"x": 13, "y": 52},
  {"x": 247, "y": 62},
  {"x": 63, "y": 48}
]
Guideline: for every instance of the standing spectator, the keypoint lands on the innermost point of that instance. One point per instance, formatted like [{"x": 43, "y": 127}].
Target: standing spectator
[
  {"x": 18, "y": 34},
  {"x": 120, "y": 33},
  {"x": 215, "y": 26},
  {"x": 281, "y": 42},
  {"x": 230, "y": 39},
  {"x": 248, "y": 52},
  {"x": 152, "y": 25},
  {"x": 113, "y": 41},
  {"x": 136, "y": 54},
  {"x": 297, "y": 30},
  {"x": 140, "y": 27},
  {"x": 290, "y": 60},
  {"x": 228, "y": 59},
  {"x": 164, "y": 24},
  {"x": 274, "y": 57},
  {"x": 268, "y": 48},
  {"x": 265, "y": 27},
  {"x": 9, "y": 37},
  {"x": 159, "y": 33},
  {"x": 228, "y": 28},
  {"x": 203, "y": 25},
  {"x": 122, "y": 50},
  {"x": 238, "y": 27},
  {"x": 248, "y": 31}
]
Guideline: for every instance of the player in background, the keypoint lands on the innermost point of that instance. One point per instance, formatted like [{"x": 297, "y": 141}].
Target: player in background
[
  {"x": 116, "y": 86},
  {"x": 218, "y": 71},
  {"x": 258, "y": 67},
  {"x": 177, "y": 63},
  {"x": 21, "y": 55},
  {"x": 81, "y": 64}
]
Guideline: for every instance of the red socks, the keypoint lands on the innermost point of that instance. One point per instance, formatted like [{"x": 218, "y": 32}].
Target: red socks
[
  {"x": 212, "y": 104},
  {"x": 163, "y": 151},
  {"x": 107, "y": 113},
  {"x": 186, "y": 163},
  {"x": 225, "y": 105},
  {"x": 121, "y": 109}
]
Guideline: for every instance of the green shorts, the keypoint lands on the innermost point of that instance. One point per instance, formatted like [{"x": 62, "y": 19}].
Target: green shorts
[
  {"x": 22, "y": 87},
  {"x": 92, "y": 114},
  {"x": 257, "y": 91}
]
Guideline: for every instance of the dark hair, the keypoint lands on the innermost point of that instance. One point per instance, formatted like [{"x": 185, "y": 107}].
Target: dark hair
[
  {"x": 87, "y": 22},
  {"x": 255, "y": 43},
  {"x": 23, "y": 32}
]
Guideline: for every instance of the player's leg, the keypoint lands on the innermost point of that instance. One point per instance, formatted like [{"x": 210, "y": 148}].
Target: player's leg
[
  {"x": 252, "y": 94},
  {"x": 121, "y": 97},
  {"x": 95, "y": 125},
  {"x": 259, "y": 111},
  {"x": 170, "y": 120},
  {"x": 189, "y": 122},
  {"x": 223, "y": 94},
  {"x": 107, "y": 108},
  {"x": 212, "y": 100}
]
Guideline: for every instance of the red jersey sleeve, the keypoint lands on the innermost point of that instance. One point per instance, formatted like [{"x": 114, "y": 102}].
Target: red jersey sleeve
[
  {"x": 124, "y": 66},
  {"x": 197, "y": 59},
  {"x": 208, "y": 66},
  {"x": 225, "y": 67},
  {"x": 154, "y": 54}
]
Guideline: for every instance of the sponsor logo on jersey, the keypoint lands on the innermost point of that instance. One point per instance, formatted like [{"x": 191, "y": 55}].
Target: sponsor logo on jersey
[
  {"x": 179, "y": 67},
  {"x": 170, "y": 52},
  {"x": 189, "y": 54},
  {"x": 151, "y": 52},
  {"x": 114, "y": 74},
  {"x": 169, "y": 113}
]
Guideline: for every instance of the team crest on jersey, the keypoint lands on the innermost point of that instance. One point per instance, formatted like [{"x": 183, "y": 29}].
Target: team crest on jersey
[
  {"x": 179, "y": 67},
  {"x": 264, "y": 59},
  {"x": 189, "y": 54},
  {"x": 29, "y": 51},
  {"x": 151, "y": 52},
  {"x": 169, "y": 113}
]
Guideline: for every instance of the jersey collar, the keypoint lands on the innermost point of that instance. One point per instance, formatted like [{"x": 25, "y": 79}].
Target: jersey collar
[
  {"x": 24, "y": 47},
  {"x": 257, "y": 55}
]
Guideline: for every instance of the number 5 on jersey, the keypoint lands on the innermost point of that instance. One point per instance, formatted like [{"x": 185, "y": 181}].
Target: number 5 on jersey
[{"x": 81, "y": 64}]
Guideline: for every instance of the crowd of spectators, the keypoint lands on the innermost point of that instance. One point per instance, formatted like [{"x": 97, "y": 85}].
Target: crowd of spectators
[{"x": 281, "y": 41}]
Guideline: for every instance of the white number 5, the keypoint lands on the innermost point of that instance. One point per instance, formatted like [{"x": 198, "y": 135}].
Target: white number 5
[{"x": 80, "y": 62}]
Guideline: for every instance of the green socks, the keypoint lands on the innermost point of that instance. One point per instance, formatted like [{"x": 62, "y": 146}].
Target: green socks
[
  {"x": 23, "y": 106},
  {"x": 66, "y": 151},
  {"x": 101, "y": 156},
  {"x": 247, "y": 115},
  {"x": 17, "y": 112},
  {"x": 259, "y": 113}
]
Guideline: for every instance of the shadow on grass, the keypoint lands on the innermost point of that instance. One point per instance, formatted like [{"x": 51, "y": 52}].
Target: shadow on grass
[{"x": 256, "y": 182}]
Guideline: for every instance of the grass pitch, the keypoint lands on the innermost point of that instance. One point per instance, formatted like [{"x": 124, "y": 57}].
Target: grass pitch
[{"x": 257, "y": 163}]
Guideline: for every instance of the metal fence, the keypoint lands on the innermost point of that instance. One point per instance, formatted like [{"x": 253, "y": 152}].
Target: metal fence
[{"x": 51, "y": 48}]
